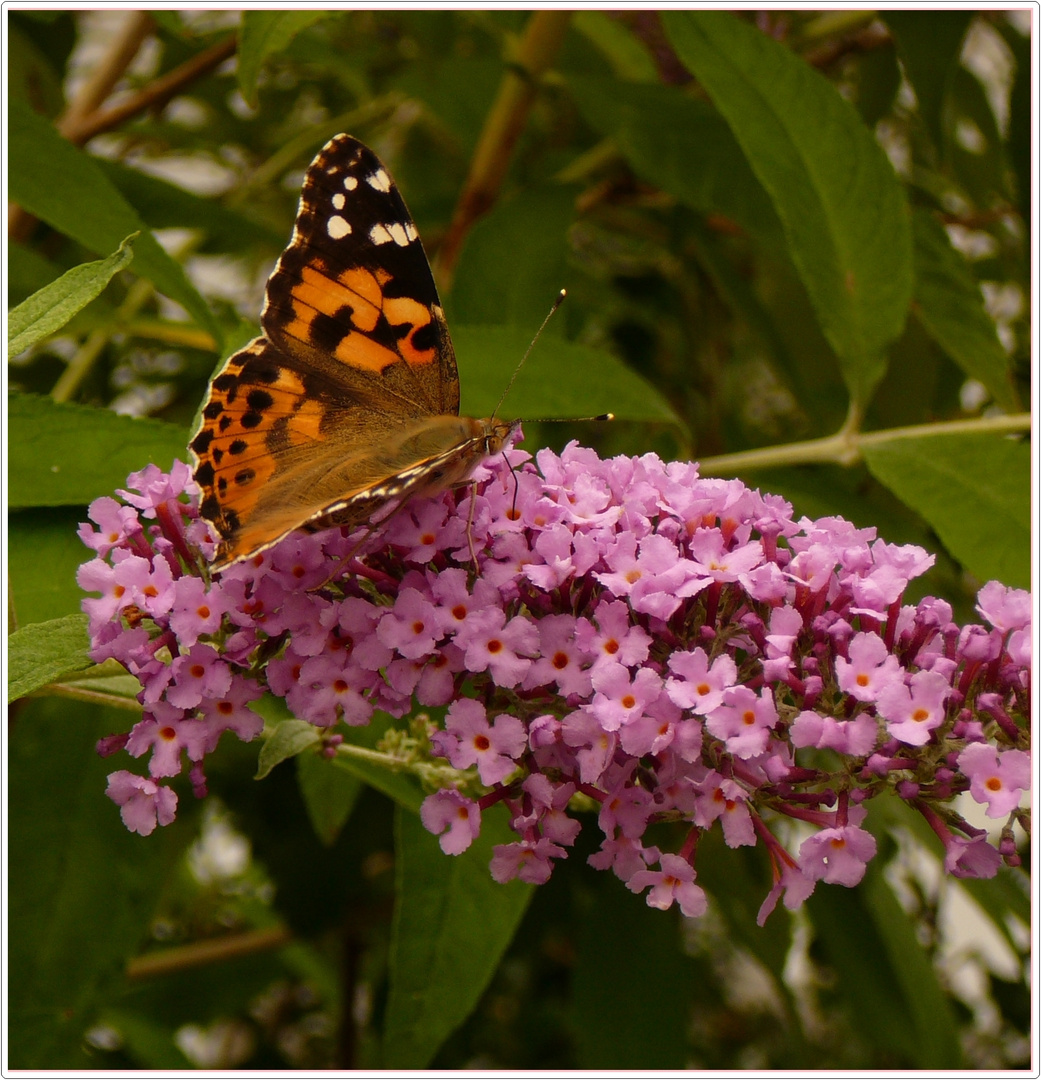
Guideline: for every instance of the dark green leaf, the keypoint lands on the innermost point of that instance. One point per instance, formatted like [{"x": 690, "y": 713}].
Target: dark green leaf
[
  {"x": 329, "y": 795},
  {"x": 618, "y": 932},
  {"x": 452, "y": 923},
  {"x": 290, "y": 737},
  {"x": 950, "y": 306},
  {"x": 974, "y": 490},
  {"x": 44, "y": 552},
  {"x": 929, "y": 43},
  {"x": 558, "y": 379},
  {"x": 81, "y": 887},
  {"x": 47, "y": 311},
  {"x": 625, "y": 52},
  {"x": 896, "y": 1004},
  {"x": 63, "y": 186},
  {"x": 513, "y": 263},
  {"x": 844, "y": 212},
  {"x": 263, "y": 34},
  {"x": 163, "y": 205},
  {"x": 683, "y": 146},
  {"x": 66, "y": 454},
  {"x": 41, "y": 652}
]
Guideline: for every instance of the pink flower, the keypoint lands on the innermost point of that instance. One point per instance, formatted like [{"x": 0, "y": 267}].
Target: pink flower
[
  {"x": 997, "y": 780},
  {"x": 142, "y": 802},
  {"x": 528, "y": 860},
  {"x": 744, "y": 722},
  {"x": 697, "y": 685},
  {"x": 455, "y": 819},
  {"x": 632, "y": 636},
  {"x": 839, "y": 856},
  {"x": 673, "y": 882},
  {"x": 468, "y": 739},
  {"x": 913, "y": 711},
  {"x": 870, "y": 667}
]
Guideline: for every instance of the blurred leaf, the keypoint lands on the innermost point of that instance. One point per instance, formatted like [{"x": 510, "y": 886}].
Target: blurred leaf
[
  {"x": 63, "y": 186},
  {"x": 974, "y": 490},
  {"x": 452, "y": 924},
  {"x": 31, "y": 76},
  {"x": 27, "y": 272},
  {"x": 47, "y": 311},
  {"x": 558, "y": 379},
  {"x": 163, "y": 205},
  {"x": 265, "y": 33},
  {"x": 290, "y": 737},
  {"x": 150, "y": 1042},
  {"x": 81, "y": 887},
  {"x": 329, "y": 795},
  {"x": 844, "y": 211},
  {"x": 1020, "y": 127},
  {"x": 950, "y": 306},
  {"x": 929, "y": 43},
  {"x": 627, "y": 55},
  {"x": 878, "y": 80},
  {"x": 645, "y": 1027},
  {"x": 683, "y": 146},
  {"x": 66, "y": 454},
  {"x": 513, "y": 262},
  {"x": 40, "y": 652},
  {"x": 895, "y": 1002},
  {"x": 977, "y": 151},
  {"x": 44, "y": 552}
]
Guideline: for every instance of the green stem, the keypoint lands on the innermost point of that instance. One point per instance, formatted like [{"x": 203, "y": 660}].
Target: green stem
[{"x": 846, "y": 445}]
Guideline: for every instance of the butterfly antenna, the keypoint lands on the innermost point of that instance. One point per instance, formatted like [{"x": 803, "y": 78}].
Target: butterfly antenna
[{"x": 516, "y": 371}]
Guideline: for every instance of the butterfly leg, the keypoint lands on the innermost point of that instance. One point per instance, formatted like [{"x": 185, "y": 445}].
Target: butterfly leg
[{"x": 469, "y": 526}]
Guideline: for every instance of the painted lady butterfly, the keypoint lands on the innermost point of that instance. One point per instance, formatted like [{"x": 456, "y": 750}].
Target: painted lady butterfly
[{"x": 349, "y": 401}]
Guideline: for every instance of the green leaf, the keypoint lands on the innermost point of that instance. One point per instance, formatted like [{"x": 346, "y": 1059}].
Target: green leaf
[
  {"x": 44, "y": 552},
  {"x": 974, "y": 490},
  {"x": 81, "y": 889},
  {"x": 684, "y": 147},
  {"x": 514, "y": 263},
  {"x": 558, "y": 379},
  {"x": 263, "y": 34},
  {"x": 47, "y": 311},
  {"x": 63, "y": 186},
  {"x": 950, "y": 307},
  {"x": 618, "y": 932},
  {"x": 41, "y": 652},
  {"x": 895, "y": 1001},
  {"x": 844, "y": 212},
  {"x": 290, "y": 737},
  {"x": 625, "y": 52},
  {"x": 67, "y": 454},
  {"x": 929, "y": 44},
  {"x": 452, "y": 924},
  {"x": 329, "y": 795},
  {"x": 163, "y": 205}
]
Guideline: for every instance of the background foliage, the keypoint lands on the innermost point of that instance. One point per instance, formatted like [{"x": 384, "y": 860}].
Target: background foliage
[{"x": 795, "y": 248}]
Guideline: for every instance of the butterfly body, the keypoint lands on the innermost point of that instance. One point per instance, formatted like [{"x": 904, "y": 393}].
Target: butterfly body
[{"x": 349, "y": 400}]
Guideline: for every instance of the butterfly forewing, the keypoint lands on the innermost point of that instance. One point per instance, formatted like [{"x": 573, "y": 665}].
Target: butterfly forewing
[
  {"x": 349, "y": 401},
  {"x": 354, "y": 288}
]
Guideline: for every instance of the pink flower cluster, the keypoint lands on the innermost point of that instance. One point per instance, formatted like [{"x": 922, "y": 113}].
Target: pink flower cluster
[{"x": 634, "y": 640}]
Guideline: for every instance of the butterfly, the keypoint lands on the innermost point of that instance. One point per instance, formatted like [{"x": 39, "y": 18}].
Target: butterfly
[{"x": 348, "y": 402}]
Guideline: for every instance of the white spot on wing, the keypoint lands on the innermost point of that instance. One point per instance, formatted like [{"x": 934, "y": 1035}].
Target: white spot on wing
[
  {"x": 397, "y": 232},
  {"x": 350, "y": 182},
  {"x": 338, "y": 227},
  {"x": 378, "y": 235},
  {"x": 410, "y": 231},
  {"x": 338, "y": 200},
  {"x": 379, "y": 180}
]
